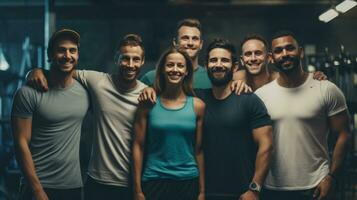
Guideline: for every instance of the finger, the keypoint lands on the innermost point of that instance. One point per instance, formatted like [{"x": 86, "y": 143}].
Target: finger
[
  {"x": 155, "y": 97},
  {"x": 237, "y": 87},
  {"x": 44, "y": 80},
  {"x": 42, "y": 84},
  {"x": 241, "y": 88},
  {"x": 316, "y": 192},
  {"x": 250, "y": 89},
  {"x": 152, "y": 98}
]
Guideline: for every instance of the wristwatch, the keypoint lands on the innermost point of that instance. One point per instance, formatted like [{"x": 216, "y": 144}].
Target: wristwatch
[{"x": 255, "y": 187}]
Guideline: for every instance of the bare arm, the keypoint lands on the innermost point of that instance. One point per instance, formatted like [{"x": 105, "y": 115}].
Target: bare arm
[
  {"x": 36, "y": 79},
  {"x": 21, "y": 129},
  {"x": 263, "y": 137},
  {"x": 338, "y": 124},
  {"x": 138, "y": 150},
  {"x": 200, "y": 109}
]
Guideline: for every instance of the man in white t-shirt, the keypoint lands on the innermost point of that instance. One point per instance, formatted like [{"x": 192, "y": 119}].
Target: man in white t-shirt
[{"x": 304, "y": 112}]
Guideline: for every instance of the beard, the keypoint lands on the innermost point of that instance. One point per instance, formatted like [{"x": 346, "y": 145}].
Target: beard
[
  {"x": 228, "y": 76},
  {"x": 123, "y": 73},
  {"x": 58, "y": 66},
  {"x": 295, "y": 62}
]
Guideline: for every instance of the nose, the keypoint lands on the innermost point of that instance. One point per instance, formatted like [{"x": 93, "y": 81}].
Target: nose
[
  {"x": 190, "y": 42},
  {"x": 131, "y": 63},
  {"x": 254, "y": 56},
  {"x": 284, "y": 52},
  {"x": 67, "y": 54}
]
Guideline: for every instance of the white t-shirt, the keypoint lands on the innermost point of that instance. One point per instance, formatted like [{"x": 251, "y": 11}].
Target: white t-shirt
[
  {"x": 114, "y": 113},
  {"x": 300, "y": 115}
]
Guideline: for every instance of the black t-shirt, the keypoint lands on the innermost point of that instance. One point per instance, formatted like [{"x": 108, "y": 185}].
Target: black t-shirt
[{"x": 228, "y": 144}]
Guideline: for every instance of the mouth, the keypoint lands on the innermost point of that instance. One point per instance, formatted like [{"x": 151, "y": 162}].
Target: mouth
[{"x": 174, "y": 76}]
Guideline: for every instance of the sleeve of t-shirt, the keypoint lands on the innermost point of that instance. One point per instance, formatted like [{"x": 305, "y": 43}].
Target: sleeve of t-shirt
[
  {"x": 24, "y": 103},
  {"x": 148, "y": 78},
  {"x": 88, "y": 77},
  {"x": 334, "y": 99},
  {"x": 258, "y": 113}
]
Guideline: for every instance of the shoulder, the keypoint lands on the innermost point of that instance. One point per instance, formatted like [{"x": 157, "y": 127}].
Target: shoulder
[
  {"x": 26, "y": 91},
  {"x": 199, "y": 105},
  {"x": 201, "y": 93},
  {"x": 149, "y": 74}
]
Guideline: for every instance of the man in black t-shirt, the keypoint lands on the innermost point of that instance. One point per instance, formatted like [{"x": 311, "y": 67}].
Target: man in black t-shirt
[{"x": 237, "y": 138}]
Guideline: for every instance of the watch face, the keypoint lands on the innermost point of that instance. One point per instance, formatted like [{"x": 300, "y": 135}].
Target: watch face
[{"x": 253, "y": 185}]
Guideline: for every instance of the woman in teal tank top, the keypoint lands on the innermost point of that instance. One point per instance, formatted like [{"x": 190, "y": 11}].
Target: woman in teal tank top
[{"x": 167, "y": 153}]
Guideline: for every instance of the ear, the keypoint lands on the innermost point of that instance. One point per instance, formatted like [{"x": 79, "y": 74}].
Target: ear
[
  {"x": 143, "y": 61},
  {"x": 301, "y": 52},
  {"x": 174, "y": 42},
  {"x": 116, "y": 57},
  {"x": 201, "y": 45},
  {"x": 270, "y": 58},
  {"x": 235, "y": 66}
]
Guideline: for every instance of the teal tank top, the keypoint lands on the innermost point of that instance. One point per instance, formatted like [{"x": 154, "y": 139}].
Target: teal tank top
[{"x": 170, "y": 140}]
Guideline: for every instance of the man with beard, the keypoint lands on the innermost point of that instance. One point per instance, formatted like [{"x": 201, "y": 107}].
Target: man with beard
[
  {"x": 304, "y": 111},
  {"x": 237, "y": 137},
  {"x": 189, "y": 39},
  {"x": 47, "y": 126},
  {"x": 114, "y": 103},
  {"x": 255, "y": 58}
]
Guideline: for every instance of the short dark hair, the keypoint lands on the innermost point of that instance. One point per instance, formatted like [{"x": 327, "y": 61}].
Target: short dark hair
[
  {"x": 190, "y": 22},
  {"x": 131, "y": 40},
  {"x": 160, "y": 84},
  {"x": 223, "y": 44},
  {"x": 254, "y": 37},
  {"x": 283, "y": 33}
]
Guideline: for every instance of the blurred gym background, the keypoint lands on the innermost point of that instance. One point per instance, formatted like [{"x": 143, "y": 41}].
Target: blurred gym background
[{"x": 26, "y": 25}]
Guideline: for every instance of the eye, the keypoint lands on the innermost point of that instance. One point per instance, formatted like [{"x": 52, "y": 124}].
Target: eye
[
  {"x": 248, "y": 53},
  {"x": 195, "y": 38},
  {"x": 226, "y": 60},
  {"x": 258, "y": 53},
  {"x": 278, "y": 50},
  {"x": 185, "y": 37},
  {"x": 290, "y": 48},
  {"x": 213, "y": 60},
  {"x": 73, "y": 50},
  {"x": 136, "y": 59},
  {"x": 180, "y": 65}
]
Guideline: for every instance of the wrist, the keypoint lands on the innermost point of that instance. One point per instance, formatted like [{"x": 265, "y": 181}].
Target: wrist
[{"x": 255, "y": 187}]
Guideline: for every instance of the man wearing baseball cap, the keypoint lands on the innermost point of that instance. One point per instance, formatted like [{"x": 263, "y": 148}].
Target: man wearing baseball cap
[{"x": 47, "y": 126}]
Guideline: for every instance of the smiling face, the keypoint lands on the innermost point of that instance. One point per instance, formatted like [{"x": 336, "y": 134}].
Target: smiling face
[
  {"x": 65, "y": 56},
  {"x": 189, "y": 40},
  {"x": 175, "y": 68},
  {"x": 130, "y": 62},
  {"x": 254, "y": 56},
  {"x": 220, "y": 66},
  {"x": 286, "y": 53}
]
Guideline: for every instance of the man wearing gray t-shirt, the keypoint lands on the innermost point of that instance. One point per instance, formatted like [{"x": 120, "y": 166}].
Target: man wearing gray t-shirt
[
  {"x": 114, "y": 103},
  {"x": 47, "y": 126}
]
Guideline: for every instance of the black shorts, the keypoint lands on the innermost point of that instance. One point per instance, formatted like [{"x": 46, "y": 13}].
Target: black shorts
[{"x": 171, "y": 189}]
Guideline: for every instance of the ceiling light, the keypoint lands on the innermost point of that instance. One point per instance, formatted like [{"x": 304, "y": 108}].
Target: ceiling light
[
  {"x": 329, "y": 15},
  {"x": 345, "y": 6}
]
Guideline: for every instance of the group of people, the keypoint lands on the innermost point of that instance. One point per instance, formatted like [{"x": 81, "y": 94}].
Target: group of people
[{"x": 188, "y": 135}]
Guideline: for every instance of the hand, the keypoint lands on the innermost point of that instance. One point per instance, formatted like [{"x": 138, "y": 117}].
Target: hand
[
  {"x": 249, "y": 195},
  {"x": 40, "y": 195},
  {"x": 239, "y": 86},
  {"x": 201, "y": 196},
  {"x": 37, "y": 80},
  {"x": 148, "y": 95},
  {"x": 320, "y": 76},
  {"x": 325, "y": 188},
  {"x": 139, "y": 196}
]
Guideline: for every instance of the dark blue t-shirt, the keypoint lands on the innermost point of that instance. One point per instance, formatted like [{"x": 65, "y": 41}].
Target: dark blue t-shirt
[{"x": 228, "y": 144}]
